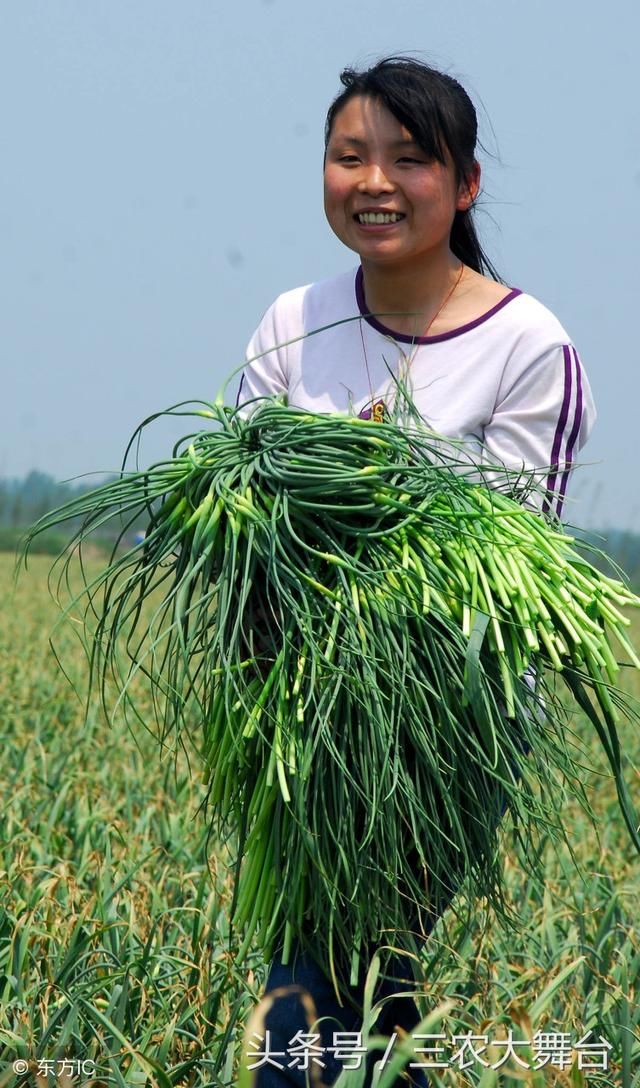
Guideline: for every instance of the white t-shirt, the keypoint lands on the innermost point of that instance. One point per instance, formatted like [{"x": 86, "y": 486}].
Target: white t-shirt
[{"x": 509, "y": 384}]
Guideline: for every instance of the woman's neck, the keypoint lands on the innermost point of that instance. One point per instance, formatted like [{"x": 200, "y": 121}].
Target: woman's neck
[{"x": 408, "y": 299}]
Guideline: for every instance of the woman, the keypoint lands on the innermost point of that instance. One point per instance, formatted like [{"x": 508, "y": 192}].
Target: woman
[{"x": 485, "y": 364}]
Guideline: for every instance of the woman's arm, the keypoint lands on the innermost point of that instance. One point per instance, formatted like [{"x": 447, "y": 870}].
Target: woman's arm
[
  {"x": 543, "y": 416},
  {"x": 266, "y": 371}
]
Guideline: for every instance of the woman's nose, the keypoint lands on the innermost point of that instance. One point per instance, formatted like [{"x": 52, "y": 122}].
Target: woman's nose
[{"x": 374, "y": 180}]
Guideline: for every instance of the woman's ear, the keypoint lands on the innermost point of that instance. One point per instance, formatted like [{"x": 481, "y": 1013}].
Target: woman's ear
[{"x": 469, "y": 188}]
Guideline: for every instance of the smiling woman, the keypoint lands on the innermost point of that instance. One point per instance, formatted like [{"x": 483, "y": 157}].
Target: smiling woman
[
  {"x": 385, "y": 197},
  {"x": 485, "y": 363}
]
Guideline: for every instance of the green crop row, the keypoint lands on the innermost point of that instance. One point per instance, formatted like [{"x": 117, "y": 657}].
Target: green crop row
[{"x": 114, "y": 942}]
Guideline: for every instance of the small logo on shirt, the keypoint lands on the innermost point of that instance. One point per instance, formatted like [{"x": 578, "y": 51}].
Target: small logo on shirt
[{"x": 375, "y": 411}]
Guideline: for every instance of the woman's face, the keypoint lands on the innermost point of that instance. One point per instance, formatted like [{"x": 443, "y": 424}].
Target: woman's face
[{"x": 373, "y": 169}]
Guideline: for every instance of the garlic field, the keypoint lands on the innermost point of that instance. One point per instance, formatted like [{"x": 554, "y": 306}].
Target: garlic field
[{"x": 116, "y": 960}]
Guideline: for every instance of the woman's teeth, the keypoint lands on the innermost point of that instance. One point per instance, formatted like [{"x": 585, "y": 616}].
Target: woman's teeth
[{"x": 379, "y": 217}]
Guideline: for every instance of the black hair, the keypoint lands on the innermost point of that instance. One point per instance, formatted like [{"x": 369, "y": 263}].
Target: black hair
[{"x": 440, "y": 116}]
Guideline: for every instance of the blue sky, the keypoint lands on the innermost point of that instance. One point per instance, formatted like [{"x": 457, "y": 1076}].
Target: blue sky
[{"x": 161, "y": 184}]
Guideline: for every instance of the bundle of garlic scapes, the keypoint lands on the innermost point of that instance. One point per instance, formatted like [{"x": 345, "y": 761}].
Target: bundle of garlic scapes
[{"x": 372, "y": 640}]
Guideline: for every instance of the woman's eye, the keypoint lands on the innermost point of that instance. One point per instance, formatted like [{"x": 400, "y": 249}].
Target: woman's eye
[
  {"x": 348, "y": 158},
  {"x": 409, "y": 158}
]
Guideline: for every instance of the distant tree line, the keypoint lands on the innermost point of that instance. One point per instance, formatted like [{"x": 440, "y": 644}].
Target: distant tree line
[
  {"x": 25, "y": 500},
  {"x": 619, "y": 545}
]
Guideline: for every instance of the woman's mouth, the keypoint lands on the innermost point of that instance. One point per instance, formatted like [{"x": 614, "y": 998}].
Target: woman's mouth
[{"x": 378, "y": 219}]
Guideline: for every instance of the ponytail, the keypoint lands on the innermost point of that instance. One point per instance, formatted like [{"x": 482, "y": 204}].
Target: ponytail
[{"x": 465, "y": 245}]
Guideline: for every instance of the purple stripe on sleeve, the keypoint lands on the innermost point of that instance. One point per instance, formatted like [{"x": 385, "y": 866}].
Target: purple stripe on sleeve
[
  {"x": 239, "y": 389},
  {"x": 560, "y": 428},
  {"x": 575, "y": 430}
]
